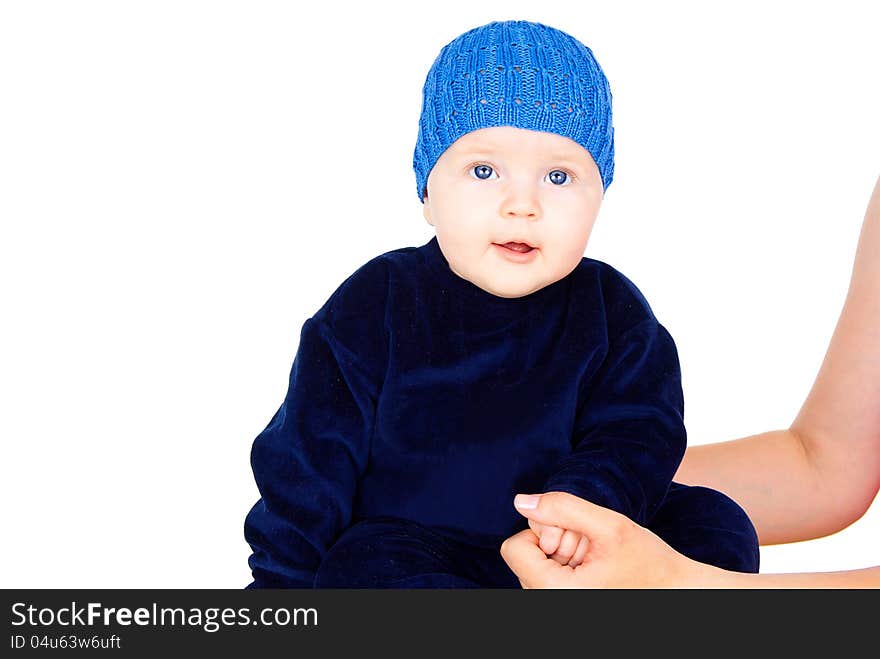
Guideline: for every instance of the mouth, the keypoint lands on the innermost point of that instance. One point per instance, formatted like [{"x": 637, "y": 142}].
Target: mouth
[{"x": 516, "y": 246}]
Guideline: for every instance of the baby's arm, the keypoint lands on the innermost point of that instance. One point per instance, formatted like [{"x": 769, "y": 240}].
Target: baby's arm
[
  {"x": 629, "y": 434},
  {"x": 307, "y": 462}
]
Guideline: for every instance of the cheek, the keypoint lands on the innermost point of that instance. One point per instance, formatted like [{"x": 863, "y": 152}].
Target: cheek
[
  {"x": 582, "y": 218},
  {"x": 466, "y": 213},
  {"x": 569, "y": 255},
  {"x": 448, "y": 202},
  {"x": 569, "y": 242},
  {"x": 573, "y": 224}
]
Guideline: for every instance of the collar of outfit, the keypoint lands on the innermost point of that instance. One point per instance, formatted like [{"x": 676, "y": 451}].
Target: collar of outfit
[{"x": 486, "y": 305}]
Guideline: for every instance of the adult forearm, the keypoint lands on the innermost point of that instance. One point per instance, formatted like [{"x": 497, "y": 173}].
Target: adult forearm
[
  {"x": 823, "y": 473},
  {"x": 749, "y": 471},
  {"x": 706, "y": 576}
]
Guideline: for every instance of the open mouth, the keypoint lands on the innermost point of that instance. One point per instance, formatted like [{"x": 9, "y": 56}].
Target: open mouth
[{"x": 522, "y": 248}]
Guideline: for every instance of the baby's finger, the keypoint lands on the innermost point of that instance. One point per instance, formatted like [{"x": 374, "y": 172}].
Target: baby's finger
[
  {"x": 567, "y": 546},
  {"x": 580, "y": 552},
  {"x": 550, "y": 537},
  {"x": 522, "y": 553},
  {"x": 536, "y": 527}
]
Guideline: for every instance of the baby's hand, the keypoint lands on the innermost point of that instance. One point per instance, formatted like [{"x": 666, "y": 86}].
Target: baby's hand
[{"x": 563, "y": 546}]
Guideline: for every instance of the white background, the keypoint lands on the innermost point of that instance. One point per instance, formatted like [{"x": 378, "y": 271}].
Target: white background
[{"x": 182, "y": 184}]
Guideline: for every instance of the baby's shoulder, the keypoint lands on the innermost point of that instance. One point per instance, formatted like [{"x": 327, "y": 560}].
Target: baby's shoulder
[
  {"x": 360, "y": 297},
  {"x": 364, "y": 294},
  {"x": 600, "y": 283}
]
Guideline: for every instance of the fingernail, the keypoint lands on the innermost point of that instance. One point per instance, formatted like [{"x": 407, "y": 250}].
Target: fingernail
[{"x": 526, "y": 501}]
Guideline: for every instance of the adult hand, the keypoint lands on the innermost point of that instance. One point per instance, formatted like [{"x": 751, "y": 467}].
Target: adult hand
[{"x": 620, "y": 553}]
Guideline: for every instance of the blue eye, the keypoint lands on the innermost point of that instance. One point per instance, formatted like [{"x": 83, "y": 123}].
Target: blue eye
[
  {"x": 482, "y": 171},
  {"x": 558, "y": 177}
]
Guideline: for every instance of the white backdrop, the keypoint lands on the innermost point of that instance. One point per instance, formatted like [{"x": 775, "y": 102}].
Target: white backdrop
[{"x": 182, "y": 184}]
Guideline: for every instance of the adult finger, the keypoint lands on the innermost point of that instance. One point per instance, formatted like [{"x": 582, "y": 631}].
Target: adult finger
[{"x": 570, "y": 512}]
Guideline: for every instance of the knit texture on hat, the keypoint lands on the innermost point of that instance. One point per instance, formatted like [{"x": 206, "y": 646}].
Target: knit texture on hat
[{"x": 515, "y": 73}]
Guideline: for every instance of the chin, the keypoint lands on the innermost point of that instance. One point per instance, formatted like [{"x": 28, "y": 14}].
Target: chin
[
  {"x": 508, "y": 296},
  {"x": 513, "y": 293}
]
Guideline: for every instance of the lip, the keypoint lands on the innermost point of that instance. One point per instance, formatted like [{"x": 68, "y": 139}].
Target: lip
[
  {"x": 516, "y": 257},
  {"x": 518, "y": 240}
]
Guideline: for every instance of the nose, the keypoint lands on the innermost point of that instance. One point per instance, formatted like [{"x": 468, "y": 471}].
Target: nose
[{"x": 521, "y": 201}]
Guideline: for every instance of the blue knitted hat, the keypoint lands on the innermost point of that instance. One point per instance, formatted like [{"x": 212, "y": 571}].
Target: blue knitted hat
[{"x": 515, "y": 73}]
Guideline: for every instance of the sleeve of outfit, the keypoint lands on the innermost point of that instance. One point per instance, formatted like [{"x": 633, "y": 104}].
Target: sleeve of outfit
[
  {"x": 308, "y": 460},
  {"x": 629, "y": 435}
]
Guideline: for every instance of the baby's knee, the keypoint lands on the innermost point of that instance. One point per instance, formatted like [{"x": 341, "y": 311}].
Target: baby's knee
[
  {"x": 708, "y": 526},
  {"x": 388, "y": 552}
]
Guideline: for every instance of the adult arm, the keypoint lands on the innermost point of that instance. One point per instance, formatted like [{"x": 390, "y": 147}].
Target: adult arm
[
  {"x": 822, "y": 473},
  {"x": 622, "y": 554}
]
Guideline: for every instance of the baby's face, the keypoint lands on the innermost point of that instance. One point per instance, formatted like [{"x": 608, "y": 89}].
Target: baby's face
[{"x": 502, "y": 184}]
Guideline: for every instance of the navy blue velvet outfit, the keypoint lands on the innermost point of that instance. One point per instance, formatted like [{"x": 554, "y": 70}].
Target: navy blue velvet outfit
[{"x": 419, "y": 404}]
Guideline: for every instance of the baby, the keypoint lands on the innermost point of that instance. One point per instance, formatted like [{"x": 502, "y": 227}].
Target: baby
[{"x": 438, "y": 381}]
